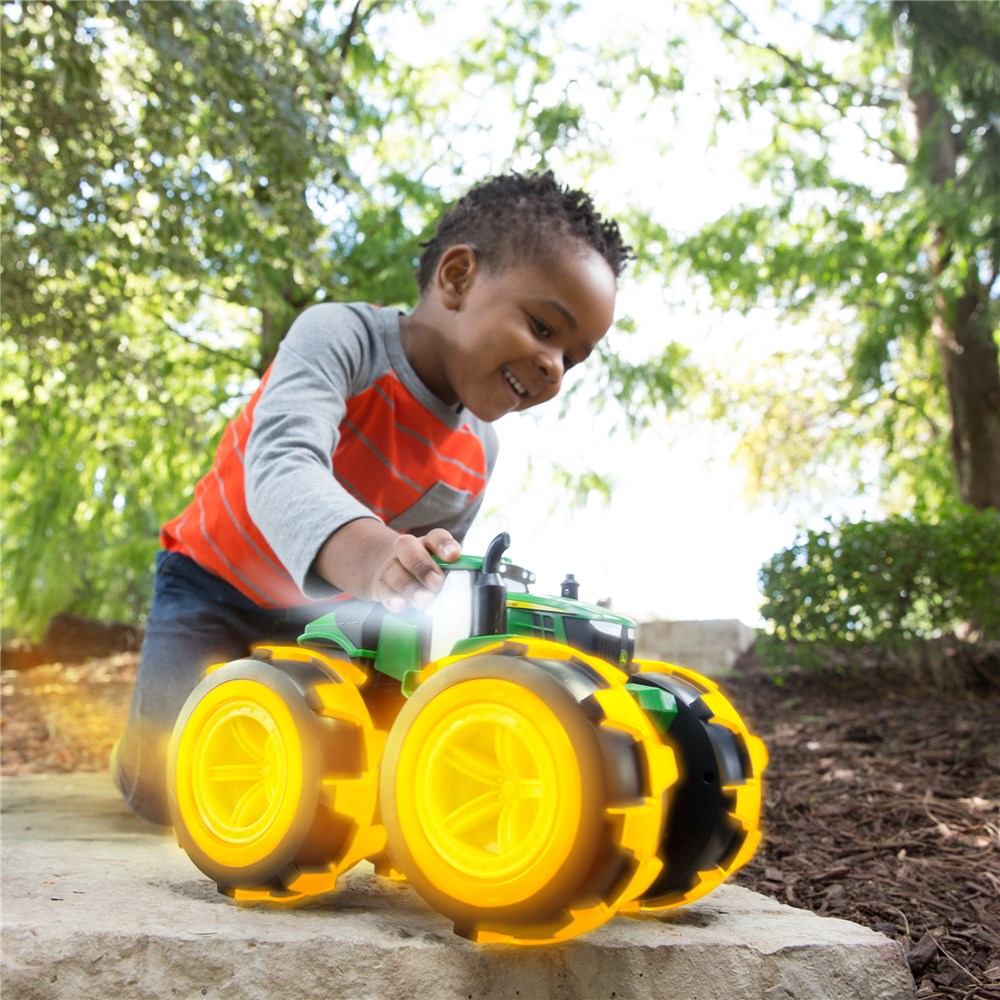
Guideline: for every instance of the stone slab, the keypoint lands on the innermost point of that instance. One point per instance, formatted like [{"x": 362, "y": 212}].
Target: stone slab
[
  {"x": 96, "y": 903},
  {"x": 711, "y": 646}
]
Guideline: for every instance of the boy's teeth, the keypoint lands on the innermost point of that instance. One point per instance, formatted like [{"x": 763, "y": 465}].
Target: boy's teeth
[{"x": 515, "y": 384}]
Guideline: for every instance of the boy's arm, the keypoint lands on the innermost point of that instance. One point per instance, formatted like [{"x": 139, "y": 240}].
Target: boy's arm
[
  {"x": 322, "y": 535},
  {"x": 371, "y": 561},
  {"x": 292, "y": 496}
]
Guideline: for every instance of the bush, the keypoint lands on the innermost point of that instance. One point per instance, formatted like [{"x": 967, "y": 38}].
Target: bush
[{"x": 885, "y": 584}]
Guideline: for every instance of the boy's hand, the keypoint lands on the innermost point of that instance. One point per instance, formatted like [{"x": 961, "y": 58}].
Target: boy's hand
[
  {"x": 410, "y": 577},
  {"x": 371, "y": 561}
]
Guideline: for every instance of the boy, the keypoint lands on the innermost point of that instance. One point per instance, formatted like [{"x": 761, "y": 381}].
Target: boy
[{"x": 366, "y": 449}]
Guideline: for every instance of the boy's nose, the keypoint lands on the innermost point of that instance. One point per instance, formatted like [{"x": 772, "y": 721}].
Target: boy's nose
[{"x": 551, "y": 366}]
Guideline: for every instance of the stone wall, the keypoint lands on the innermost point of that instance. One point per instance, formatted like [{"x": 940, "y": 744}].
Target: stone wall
[{"x": 711, "y": 647}]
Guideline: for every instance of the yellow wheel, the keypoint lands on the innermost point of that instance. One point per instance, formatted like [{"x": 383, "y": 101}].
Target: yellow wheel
[
  {"x": 713, "y": 817},
  {"x": 272, "y": 776},
  {"x": 523, "y": 797}
]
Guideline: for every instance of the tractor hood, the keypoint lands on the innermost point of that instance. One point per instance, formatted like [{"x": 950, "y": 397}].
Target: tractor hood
[{"x": 568, "y": 606}]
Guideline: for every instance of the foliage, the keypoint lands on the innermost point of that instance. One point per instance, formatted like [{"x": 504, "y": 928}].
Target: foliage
[
  {"x": 803, "y": 438},
  {"x": 89, "y": 463},
  {"x": 641, "y": 391},
  {"x": 886, "y": 582},
  {"x": 182, "y": 179},
  {"x": 878, "y": 224}
]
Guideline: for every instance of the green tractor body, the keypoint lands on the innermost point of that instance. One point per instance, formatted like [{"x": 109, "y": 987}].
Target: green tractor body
[{"x": 399, "y": 646}]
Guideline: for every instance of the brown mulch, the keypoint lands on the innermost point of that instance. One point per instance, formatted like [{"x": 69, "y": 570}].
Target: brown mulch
[
  {"x": 64, "y": 716},
  {"x": 882, "y": 806},
  {"x": 882, "y": 802}
]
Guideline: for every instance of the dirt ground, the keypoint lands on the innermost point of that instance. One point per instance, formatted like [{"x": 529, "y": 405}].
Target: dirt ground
[{"x": 882, "y": 802}]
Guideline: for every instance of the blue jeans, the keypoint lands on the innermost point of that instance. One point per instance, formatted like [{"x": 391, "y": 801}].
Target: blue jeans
[{"x": 196, "y": 619}]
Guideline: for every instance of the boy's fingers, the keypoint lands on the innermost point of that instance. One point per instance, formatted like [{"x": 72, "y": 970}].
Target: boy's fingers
[
  {"x": 409, "y": 575},
  {"x": 416, "y": 560},
  {"x": 398, "y": 589},
  {"x": 393, "y": 602},
  {"x": 442, "y": 544}
]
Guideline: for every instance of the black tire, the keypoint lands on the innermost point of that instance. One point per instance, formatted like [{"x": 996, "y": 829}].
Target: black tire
[{"x": 712, "y": 825}]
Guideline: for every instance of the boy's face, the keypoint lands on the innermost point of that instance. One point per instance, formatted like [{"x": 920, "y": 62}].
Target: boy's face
[{"x": 512, "y": 333}]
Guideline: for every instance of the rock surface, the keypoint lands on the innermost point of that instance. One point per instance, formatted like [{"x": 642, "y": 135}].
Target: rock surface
[{"x": 97, "y": 903}]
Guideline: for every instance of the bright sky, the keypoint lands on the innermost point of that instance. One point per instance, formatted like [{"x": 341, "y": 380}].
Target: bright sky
[{"x": 678, "y": 539}]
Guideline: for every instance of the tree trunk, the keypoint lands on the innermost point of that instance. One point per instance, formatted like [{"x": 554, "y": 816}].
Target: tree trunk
[
  {"x": 972, "y": 375},
  {"x": 969, "y": 357}
]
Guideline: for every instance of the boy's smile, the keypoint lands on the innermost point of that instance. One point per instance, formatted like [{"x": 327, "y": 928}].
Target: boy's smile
[{"x": 504, "y": 339}]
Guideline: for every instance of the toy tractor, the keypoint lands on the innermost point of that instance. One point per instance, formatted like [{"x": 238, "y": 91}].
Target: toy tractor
[{"x": 505, "y": 753}]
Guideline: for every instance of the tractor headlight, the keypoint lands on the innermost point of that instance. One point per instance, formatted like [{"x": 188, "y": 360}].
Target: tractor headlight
[{"x": 608, "y": 628}]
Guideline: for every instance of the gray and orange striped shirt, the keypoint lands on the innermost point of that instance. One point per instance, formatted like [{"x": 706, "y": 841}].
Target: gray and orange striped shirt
[{"x": 340, "y": 427}]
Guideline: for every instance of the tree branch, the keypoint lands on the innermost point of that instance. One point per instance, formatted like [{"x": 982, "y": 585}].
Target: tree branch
[
  {"x": 991, "y": 284},
  {"x": 215, "y": 351},
  {"x": 813, "y": 78},
  {"x": 901, "y": 400},
  {"x": 343, "y": 43}
]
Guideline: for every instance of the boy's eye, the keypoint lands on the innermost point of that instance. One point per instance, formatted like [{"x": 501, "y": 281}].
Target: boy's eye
[
  {"x": 568, "y": 362},
  {"x": 542, "y": 330}
]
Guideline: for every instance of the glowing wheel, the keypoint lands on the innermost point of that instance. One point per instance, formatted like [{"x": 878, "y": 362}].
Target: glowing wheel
[
  {"x": 515, "y": 810},
  {"x": 272, "y": 776},
  {"x": 490, "y": 785},
  {"x": 493, "y": 793},
  {"x": 244, "y": 763}
]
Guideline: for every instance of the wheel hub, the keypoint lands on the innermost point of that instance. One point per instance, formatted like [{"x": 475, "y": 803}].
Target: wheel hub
[
  {"x": 490, "y": 797},
  {"x": 238, "y": 787}
]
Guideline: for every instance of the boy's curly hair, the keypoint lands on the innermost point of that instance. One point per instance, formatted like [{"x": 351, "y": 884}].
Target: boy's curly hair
[{"x": 514, "y": 217}]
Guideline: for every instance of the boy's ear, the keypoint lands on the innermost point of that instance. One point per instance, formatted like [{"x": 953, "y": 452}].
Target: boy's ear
[{"x": 456, "y": 271}]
